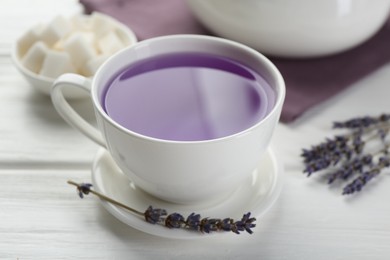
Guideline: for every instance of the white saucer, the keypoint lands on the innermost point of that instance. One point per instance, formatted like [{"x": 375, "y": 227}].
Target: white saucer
[{"x": 256, "y": 195}]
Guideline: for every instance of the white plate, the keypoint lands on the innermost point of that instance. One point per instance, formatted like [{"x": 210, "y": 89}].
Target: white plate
[{"x": 255, "y": 195}]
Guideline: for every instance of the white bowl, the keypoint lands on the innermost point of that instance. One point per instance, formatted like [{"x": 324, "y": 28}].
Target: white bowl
[
  {"x": 299, "y": 28},
  {"x": 44, "y": 84}
]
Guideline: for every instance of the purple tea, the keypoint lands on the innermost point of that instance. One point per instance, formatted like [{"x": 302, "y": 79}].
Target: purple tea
[{"x": 187, "y": 97}]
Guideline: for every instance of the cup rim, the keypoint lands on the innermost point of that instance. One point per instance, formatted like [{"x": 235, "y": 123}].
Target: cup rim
[{"x": 280, "y": 88}]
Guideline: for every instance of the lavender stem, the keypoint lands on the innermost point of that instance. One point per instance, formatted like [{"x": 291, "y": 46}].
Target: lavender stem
[{"x": 104, "y": 197}]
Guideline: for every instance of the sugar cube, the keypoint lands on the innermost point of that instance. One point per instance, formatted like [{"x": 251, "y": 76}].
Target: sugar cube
[
  {"x": 80, "y": 23},
  {"x": 79, "y": 44},
  {"x": 79, "y": 49},
  {"x": 34, "y": 57},
  {"x": 55, "y": 30},
  {"x": 101, "y": 24},
  {"x": 89, "y": 37},
  {"x": 123, "y": 36},
  {"x": 28, "y": 39},
  {"x": 56, "y": 63},
  {"x": 110, "y": 43}
]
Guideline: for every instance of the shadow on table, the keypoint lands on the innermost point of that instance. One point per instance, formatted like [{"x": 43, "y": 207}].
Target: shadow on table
[{"x": 42, "y": 107}]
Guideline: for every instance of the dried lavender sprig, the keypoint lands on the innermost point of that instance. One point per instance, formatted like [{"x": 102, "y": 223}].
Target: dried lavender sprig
[
  {"x": 336, "y": 150},
  {"x": 374, "y": 169},
  {"x": 354, "y": 166},
  {"x": 357, "y": 184},
  {"x": 362, "y": 122},
  {"x": 341, "y": 146},
  {"x": 324, "y": 148},
  {"x": 176, "y": 220}
]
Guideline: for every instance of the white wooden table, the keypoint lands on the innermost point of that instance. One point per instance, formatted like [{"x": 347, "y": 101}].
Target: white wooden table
[{"x": 41, "y": 216}]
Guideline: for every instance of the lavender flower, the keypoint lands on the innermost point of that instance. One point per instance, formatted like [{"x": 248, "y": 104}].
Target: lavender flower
[
  {"x": 350, "y": 151},
  {"x": 246, "y": 223},
  {"x": 318, "y": 165},
  {"x": 208, "y": 225},
  {"x": 362, "y": 180},
  {"x": 357, "y": 142},
  {"x": 175, "y": 220},
  {"x": 362, "y": 122},
  {"x": 383, "y": 132},
  {"x": 331, "y": 152},
  {"x": 84, "y": 188},
  {"x": 326, "y": 148},
  {"x": 227, "y": 224},
  {"x": 154, "y": 216},
  {"x": 354, "y": 166},
  {"x": 193, "y": 221}
]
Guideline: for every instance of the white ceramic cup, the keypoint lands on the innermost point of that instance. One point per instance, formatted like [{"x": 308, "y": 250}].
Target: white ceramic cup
[{"x": 177, "y": 171}]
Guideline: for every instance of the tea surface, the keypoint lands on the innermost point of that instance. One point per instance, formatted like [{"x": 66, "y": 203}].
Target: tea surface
[{"x": 187, "y": 97}]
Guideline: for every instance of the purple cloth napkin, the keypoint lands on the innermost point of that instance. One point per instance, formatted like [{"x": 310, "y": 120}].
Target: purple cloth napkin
[{"x": 308, "y": 81}]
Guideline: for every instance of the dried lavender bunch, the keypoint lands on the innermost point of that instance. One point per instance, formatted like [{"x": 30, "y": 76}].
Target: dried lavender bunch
[
  {"x": 176, "y": 220},
  {"x": 362, "y": 122},
  {"x": 346, "y": 155}
]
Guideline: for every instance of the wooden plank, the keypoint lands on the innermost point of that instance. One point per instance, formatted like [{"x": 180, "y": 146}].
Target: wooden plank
[{"x": 30, "y": 128}]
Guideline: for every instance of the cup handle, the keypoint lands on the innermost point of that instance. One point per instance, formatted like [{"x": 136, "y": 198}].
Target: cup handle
[{"x": 67, "y": 112}]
